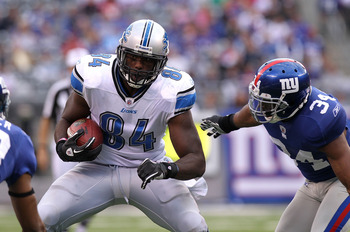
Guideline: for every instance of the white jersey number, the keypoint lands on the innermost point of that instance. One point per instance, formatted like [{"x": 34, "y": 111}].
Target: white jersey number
[
  {"x": 322, "y": 103},
  {"x": 5, "y": 144},
  {"x": 303, "y": 156}
]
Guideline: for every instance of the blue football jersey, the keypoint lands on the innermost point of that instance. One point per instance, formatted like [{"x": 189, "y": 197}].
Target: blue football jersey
[
  {"x": 17, "y": 155},
  {"x": 319, "y": 122}
]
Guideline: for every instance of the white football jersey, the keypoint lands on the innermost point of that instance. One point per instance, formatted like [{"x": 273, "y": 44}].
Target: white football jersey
[{"x": 133, "y": 127}]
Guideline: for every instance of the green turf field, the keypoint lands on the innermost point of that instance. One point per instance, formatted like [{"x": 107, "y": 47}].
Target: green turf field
[{"x": 220, "y": 219}]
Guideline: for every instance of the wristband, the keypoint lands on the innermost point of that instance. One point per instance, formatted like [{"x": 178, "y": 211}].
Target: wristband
[
  {"x": 172, "y": 170},
  {"x": 226, "y": 123},
  {"x": 62, "y": 139},
  {"x": 21, "y": 195}
]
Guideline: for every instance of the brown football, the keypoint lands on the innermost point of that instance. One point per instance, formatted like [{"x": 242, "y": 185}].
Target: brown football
[{"x": 91, "y": 129}]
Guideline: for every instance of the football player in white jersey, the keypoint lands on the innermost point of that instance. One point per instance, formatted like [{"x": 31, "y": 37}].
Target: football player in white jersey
[
  {"x": 133, "y": 97},
  {"x": 311, "y": 127}
]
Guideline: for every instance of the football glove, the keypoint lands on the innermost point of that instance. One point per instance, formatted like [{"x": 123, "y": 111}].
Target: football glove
[
  {"x": 220, "y": 125},
  {"x": 150, "y": 170},
  {"x": 69, "y": 151}
]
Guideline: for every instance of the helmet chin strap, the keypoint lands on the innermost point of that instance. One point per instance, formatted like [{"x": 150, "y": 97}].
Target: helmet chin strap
[
  {"x": 126, "y": 78},
  {"x": 277, "y": 119},
  {"x": 301, "y": 104},
  {"x": 132, "y": 85}
]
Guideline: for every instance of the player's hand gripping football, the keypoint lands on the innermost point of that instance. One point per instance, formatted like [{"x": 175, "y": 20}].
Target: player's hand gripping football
[
  {"x": 68, "y": 150},
  {"x": 150, "y": 170}
]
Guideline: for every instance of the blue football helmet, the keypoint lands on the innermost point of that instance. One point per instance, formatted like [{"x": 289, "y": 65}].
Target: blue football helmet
[
  {"x": 4, "y": 99},
  {"x": 146, "y": 40},
  {"x": 280, "y": 88}
]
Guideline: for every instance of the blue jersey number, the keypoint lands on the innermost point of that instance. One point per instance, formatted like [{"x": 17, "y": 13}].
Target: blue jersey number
[
  {"x": 113, "y": 124},
  {"x": 172, "y": 73},
  {"x": 98, "y": 60}
]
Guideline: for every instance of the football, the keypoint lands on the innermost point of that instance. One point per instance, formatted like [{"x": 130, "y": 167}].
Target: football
[{"x": 91, "y": 129}]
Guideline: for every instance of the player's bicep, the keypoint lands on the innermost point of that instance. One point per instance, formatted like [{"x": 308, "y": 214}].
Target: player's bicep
[
  {"x": 338, "y": 154},
  {"x": 184, "y": 135},
  {"x": 336, "y": 149},
  {"x": 22, "y": 184},
  {"x": 76, "y": 108}
]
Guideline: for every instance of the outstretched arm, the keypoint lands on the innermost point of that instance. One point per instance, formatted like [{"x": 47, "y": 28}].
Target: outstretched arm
[
  {"x": 223, "y": 125},
  {"x": 244, "y": 118}
]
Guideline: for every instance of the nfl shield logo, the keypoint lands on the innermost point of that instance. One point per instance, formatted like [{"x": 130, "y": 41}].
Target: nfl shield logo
[{"x": 129, "y": 101}]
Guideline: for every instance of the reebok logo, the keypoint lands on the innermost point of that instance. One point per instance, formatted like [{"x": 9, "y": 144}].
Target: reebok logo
[
  {"x": 128, "y": 111},
  {"x": 290, "y": 85},
  {"x": 336, "y": 110}
]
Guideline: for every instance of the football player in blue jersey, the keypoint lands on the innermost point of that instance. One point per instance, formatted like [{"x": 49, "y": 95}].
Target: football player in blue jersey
[
  {"x": 17, "y": 167},
  {"x": 134, "y": 97},
  {"x": 311, "y": 127}
]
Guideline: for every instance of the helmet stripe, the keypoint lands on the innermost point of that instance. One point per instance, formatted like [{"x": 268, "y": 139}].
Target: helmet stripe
[
  {"x": 147, "y": 33},
  {"x": 261, "y": 72}
]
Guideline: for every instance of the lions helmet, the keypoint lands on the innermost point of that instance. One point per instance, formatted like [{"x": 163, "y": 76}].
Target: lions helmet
[
  {"x": 146, "y": 40},
  {"x": 4, "y": 99},
  {"x": 280, "y": 88}
]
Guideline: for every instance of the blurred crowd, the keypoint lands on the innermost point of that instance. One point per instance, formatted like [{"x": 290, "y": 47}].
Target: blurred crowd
[{"x": 219, "y": 42}]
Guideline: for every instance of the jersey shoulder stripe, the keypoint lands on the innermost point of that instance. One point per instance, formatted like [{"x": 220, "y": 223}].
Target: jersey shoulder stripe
[
  {"x": 185, "y": 100},
  {"x": 182, "y": 86},
  {"x": 77, "y": 82}
]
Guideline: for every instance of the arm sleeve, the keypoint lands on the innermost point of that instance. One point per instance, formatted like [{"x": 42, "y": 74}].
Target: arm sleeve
[
  {"x": 185, "y": 95},
  {"x": 329, "y": 127},
  {"x": 25, "y": 160}
]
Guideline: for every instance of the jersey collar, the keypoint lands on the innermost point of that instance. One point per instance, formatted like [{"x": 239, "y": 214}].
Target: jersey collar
[{"x": 122, "y": 90}]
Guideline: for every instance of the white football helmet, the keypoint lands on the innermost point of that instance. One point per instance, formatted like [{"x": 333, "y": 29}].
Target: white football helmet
[
  {"x": 4, "y": 99},
  {"x": 147, "y": 40}
]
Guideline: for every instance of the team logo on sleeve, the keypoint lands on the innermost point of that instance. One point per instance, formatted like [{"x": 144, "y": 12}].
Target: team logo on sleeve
[{"x": 290, "y": 85}]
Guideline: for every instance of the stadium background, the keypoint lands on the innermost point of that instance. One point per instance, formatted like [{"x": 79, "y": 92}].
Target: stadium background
[{"x": 219, "y": 42}]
